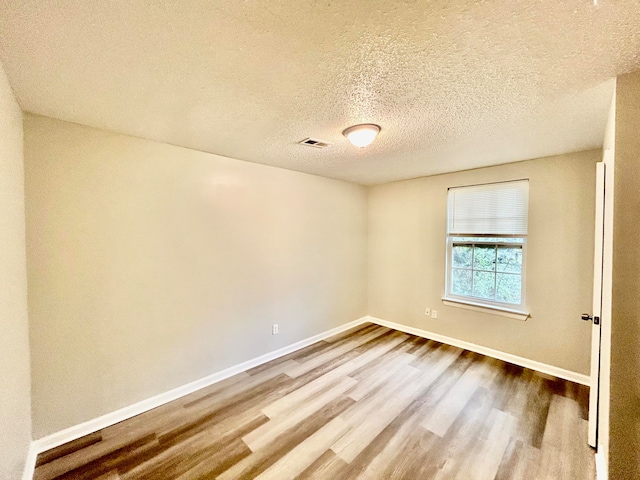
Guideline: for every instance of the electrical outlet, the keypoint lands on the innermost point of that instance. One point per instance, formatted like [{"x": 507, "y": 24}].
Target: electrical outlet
[
  {"x": 274, "y": 329},
  {"x": 427, "y": 311},
  {"x": 434, "y": 314}
]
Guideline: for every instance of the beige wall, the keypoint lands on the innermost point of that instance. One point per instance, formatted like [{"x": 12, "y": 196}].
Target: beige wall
[
  {"x": 407, "y": 259},
  {"x": 15, "y": 412},
  {"x": 151, "y": 266},
  {"x": 624, "y": 446}
]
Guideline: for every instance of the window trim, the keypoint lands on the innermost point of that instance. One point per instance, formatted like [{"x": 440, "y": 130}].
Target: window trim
[
  {"x": 488, "y": 309},
  {"x": 518, "y": 310}
]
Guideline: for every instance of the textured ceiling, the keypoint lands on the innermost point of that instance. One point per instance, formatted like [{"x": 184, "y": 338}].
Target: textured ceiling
[{"x": 454, "y": 84}]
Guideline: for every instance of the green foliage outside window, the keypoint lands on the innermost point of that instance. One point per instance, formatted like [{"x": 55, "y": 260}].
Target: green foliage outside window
[{"x": 487, "y": 271}]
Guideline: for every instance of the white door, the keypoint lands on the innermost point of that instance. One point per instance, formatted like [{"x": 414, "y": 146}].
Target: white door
[{"x": 596, "y": 314}]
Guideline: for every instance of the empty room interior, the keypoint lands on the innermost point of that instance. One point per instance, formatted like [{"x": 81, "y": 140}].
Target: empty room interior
[{"x": 320, "y": 240}]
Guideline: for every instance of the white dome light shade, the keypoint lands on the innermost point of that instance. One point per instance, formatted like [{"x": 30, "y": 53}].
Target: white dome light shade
[{"x": 362, "y": 135}]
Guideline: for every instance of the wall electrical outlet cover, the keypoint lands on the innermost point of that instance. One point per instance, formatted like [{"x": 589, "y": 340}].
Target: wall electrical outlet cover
[
  {"x": 427, "y": 311},
  {"x": 274, "y": 329},
  {"x": 434, "y": 314}
]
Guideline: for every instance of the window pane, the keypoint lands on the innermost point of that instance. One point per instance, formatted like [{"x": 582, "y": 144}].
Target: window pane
[
  {"x": 484, "y": 257},
  {"x": 462, "y": 256},
  {"x": 460, "y": 282},
  {"x": 509, "y": 288},
  {"x": 483, "y": 284},
  {"x": 509, "y": 259}
]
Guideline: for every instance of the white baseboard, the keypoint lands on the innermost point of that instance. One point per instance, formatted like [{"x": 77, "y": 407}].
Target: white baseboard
[
  {"x": 489, "y": 352},
  {"x": 90, "y": 426}
]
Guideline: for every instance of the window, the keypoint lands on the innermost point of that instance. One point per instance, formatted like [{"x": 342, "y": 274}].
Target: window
[{"x": 486, "y": 244}]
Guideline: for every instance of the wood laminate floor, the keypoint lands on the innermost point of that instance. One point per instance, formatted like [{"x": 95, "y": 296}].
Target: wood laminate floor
[{"x": 372, "y": 403}]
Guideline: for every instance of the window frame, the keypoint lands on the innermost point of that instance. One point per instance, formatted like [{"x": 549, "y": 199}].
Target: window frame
[{"x": 479, "y": 301}]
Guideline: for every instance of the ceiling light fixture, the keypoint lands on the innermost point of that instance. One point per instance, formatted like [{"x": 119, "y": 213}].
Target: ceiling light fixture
[{"x": 362, "y": 135}]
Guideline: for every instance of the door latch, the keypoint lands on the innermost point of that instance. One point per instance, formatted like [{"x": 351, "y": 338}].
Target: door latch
[{"x": 586, "y": 317}]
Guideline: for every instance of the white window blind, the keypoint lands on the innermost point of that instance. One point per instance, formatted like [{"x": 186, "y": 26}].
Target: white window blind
[{"x": 491, "y": 209}]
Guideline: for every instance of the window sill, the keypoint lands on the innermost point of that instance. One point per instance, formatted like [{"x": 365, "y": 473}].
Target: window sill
[{"x": 488, "y": 309}]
